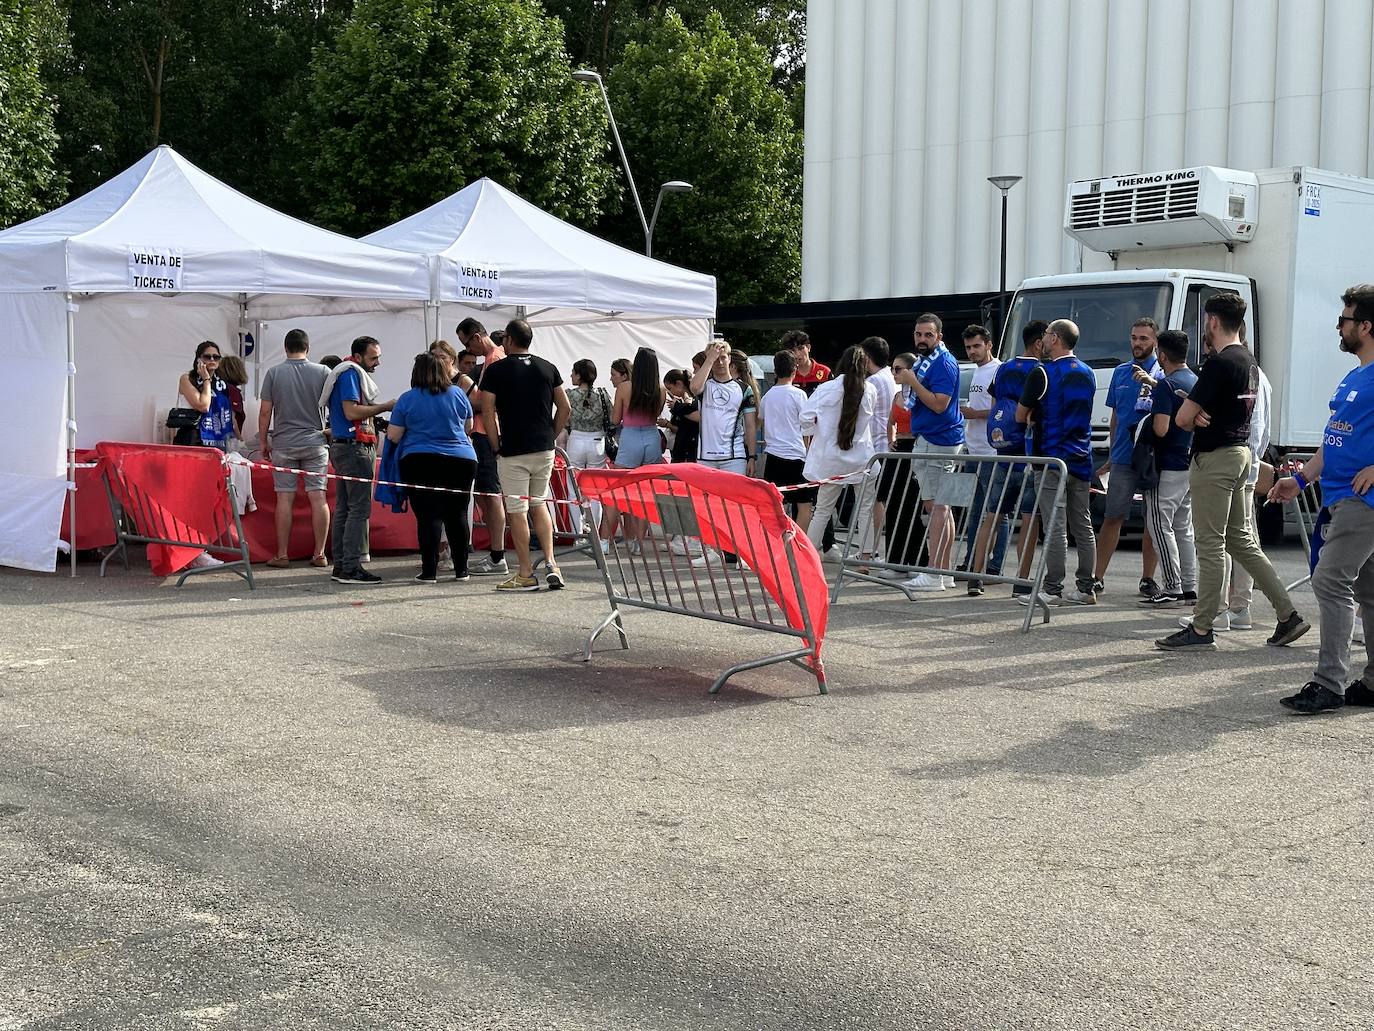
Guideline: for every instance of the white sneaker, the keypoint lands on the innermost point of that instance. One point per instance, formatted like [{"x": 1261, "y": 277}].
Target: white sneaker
[
  {"x": 205, "y": 561},
  {"x": 1077, "y": 597},
  {"x": 446, "y": 562},
  {"x": 947, "y": 582},
  {"x": 1240, "y": 619},
  {"x": 685, "y": 546},
  {"x": 889, "y": 574},
  {"x": 367, "y": 557},
  {"x": 925, "y": 582},
  {"x": 486, "y": 567},
  {"x": 1219, "y": 626},
  {"x": 1043, "y": 597},
  {"x": 832, "y": 555}
]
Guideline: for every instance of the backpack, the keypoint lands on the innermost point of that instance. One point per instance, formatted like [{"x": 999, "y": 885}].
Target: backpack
[{"x": 1005, "y": 434}]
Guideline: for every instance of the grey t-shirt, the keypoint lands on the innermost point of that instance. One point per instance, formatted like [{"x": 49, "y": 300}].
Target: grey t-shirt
[{"x": 294, "y": 390}]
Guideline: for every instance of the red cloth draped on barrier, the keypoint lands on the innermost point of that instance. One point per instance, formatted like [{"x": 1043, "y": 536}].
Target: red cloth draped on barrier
[
  {"x": 182, "y": 494},
  {"x": 714, "y": 495}
]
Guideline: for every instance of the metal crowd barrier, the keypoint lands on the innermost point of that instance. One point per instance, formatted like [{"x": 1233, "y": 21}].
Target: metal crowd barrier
[
  {"x": 1306, "y": 507},
  {"x": 719, "y": 584},
  {"x": 571, "y": 532},
  {"x": 893, "y": 478},
  {"x": 140, "y": 518}
]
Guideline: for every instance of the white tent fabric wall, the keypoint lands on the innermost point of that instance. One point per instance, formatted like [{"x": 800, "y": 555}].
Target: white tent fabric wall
[
  {"x": 33, "y": 405},
  {"x": 157, "y": 258},
  {"x": 404, "y": 334}
]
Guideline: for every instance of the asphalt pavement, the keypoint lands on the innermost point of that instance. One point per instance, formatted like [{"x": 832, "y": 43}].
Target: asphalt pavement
[{"x": 403, "y": 806}]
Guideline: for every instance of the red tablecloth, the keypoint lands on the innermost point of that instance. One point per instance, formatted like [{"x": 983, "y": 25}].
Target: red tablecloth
[{"x": 390, "y": 531}]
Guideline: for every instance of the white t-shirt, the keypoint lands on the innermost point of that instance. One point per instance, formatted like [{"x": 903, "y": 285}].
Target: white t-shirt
[
  {"x": 886, "y": 388},
  {"x": 1259, "y": 428},
  {"x": 781, "y": 410},
  {"x": 980, "y": 399},
  {"x": 723, "y": 407},
  {"x": 821, "y": 420}
]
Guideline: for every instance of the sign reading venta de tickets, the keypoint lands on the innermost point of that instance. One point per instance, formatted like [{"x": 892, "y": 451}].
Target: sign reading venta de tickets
[
  {"x": 154, "y": 268},
  {"x": 479, "y": 285}
]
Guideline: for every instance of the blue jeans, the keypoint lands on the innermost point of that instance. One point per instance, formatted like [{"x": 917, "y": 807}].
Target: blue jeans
[
  {"x": 987, "y": 493},
  {"x": 352, "y": 502}
]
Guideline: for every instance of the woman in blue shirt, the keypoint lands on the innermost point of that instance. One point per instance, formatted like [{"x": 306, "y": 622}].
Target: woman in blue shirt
[{"x": 429, "y": 426}]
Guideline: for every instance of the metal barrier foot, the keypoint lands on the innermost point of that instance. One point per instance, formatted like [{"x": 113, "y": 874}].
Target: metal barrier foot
[
  {"x": 611, "y": 620},
  {"x": 768, "y": 661}
]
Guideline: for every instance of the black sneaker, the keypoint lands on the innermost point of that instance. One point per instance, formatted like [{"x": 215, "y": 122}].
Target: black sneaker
[
  {"x": 1148, "y": 588},
  {"x": 1190, "y": 597},
  {"x": 1019, "y": 591},
  {"x": 362, "y": 576},
  {"x": 1288, "y": 631},
  {"x": 975, "y": 590},
  {"x": 1313, "y": 698},
  {"x": 1359, "y": 693},
  {"x": 1099, "y": 586},
  {"x": 1188, "y": 640},
  {"x": 420, "y": 578},
  {"x": 1163, "y": 600}
]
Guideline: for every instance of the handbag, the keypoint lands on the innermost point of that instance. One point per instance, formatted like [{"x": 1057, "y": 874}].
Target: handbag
[
  {"x": 182, "y": 418},
  {"x": 612, "y": 442}
]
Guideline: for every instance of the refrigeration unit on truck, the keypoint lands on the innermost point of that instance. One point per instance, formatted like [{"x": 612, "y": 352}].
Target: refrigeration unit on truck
[{"x": 1288, "y": 240}]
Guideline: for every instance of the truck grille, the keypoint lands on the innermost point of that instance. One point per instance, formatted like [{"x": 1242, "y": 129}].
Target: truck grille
[{"x": 1155, "y": 202}]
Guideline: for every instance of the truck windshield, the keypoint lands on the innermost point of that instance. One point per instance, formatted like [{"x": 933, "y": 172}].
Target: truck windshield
[{"x": 1104, "y": 315}]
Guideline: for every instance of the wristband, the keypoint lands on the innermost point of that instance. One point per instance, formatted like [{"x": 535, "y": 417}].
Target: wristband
[{"x": 1300, "y": 481}]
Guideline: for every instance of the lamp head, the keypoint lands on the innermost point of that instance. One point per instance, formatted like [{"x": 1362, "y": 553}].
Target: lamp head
[
  {"x": 676, "y": 186},
  {"x": 586, "y": 75},
  {"x": 1004, "y": 182}
]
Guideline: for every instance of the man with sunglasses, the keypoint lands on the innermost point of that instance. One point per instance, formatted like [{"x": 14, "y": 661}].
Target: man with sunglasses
[{"x": 1344, "y": 465}]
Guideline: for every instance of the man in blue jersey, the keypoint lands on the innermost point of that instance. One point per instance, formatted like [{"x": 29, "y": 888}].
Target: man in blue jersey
[
  {"x": 351, "y": 398},
  {"x": 1344, "y": 578},
  {"x": 1130, "y": 400},
  {"x": 1011, "y": 489},
  {"x": 1058, "y": 402},
  {"x": 938, "y": 426}
]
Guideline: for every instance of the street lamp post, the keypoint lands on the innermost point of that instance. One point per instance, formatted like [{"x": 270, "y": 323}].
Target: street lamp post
[
  {"x": 1003, "y": 183},
  {"x": 674, "y": 186}
]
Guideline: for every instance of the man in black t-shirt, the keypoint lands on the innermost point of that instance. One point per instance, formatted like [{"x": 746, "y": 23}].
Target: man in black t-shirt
[
  {"x": 524, "y": 408},
  {"x": 1218, "y": 411}
]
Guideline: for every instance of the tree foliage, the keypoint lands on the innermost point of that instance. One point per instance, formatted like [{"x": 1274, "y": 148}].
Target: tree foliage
[
  {"x": 32, "y": 39},
  {"x": 417, "y": 98},
  {"x": 702, "y": 106},
  {"x": 216, "y": 79},
  {"x": 599, "y": 30}
]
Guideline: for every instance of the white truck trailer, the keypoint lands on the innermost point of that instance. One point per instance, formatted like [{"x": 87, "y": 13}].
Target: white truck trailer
[{"x": 1288, "y": 240}]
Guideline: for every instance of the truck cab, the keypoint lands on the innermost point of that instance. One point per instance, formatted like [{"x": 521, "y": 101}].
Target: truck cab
[{"x": 1104, "y": 305}]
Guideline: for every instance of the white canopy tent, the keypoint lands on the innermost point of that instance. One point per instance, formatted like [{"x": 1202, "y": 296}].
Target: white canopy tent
[
  {"x": 129, "y": 278},
  {"x": 496, "y": 257}
]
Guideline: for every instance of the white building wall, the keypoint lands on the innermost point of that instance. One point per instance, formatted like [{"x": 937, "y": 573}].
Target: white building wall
[{"x": 912, "y": 104}]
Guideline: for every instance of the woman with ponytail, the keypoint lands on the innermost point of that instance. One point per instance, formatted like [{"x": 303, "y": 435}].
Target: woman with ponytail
[{"x": 839, "y": 418}]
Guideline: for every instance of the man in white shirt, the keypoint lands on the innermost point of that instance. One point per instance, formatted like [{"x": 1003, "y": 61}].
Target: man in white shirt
[
  {"x": 783, "y": 444},
  {"x": 729, "y": 411},
  {"x": 878, "y": 352},
  {"x": 978, "y": 347}
]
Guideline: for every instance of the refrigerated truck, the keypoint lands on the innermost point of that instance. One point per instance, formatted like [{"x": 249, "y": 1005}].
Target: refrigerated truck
[{"x": 1288, "y": 240}]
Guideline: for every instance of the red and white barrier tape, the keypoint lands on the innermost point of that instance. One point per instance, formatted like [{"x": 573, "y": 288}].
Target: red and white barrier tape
[{"x": 487, "y": 494}]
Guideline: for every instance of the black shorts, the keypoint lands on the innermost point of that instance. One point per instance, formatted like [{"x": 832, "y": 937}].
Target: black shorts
[
  {"x": 487, "y": 481},
  {"x": 787, "y": 472}
]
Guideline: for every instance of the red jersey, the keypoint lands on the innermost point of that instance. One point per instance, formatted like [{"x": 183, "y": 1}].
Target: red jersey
[{"x": 809, "y": 381}]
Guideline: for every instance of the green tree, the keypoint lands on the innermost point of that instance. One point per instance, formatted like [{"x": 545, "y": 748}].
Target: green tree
[
  {"x": 32, "y": 38},
  {"x": 217, "y": 79},
  {"x": 598, "y": 30},
  {"x": 702, "y": 106},
  {"x": 416, "y": 98}
]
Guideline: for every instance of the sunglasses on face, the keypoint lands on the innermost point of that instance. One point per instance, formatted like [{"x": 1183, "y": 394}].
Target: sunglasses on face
[{"x": 209, "y": 357}]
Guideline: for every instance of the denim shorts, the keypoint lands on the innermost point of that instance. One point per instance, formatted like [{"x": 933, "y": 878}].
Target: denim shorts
[{"x": 639, "y": 445}]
